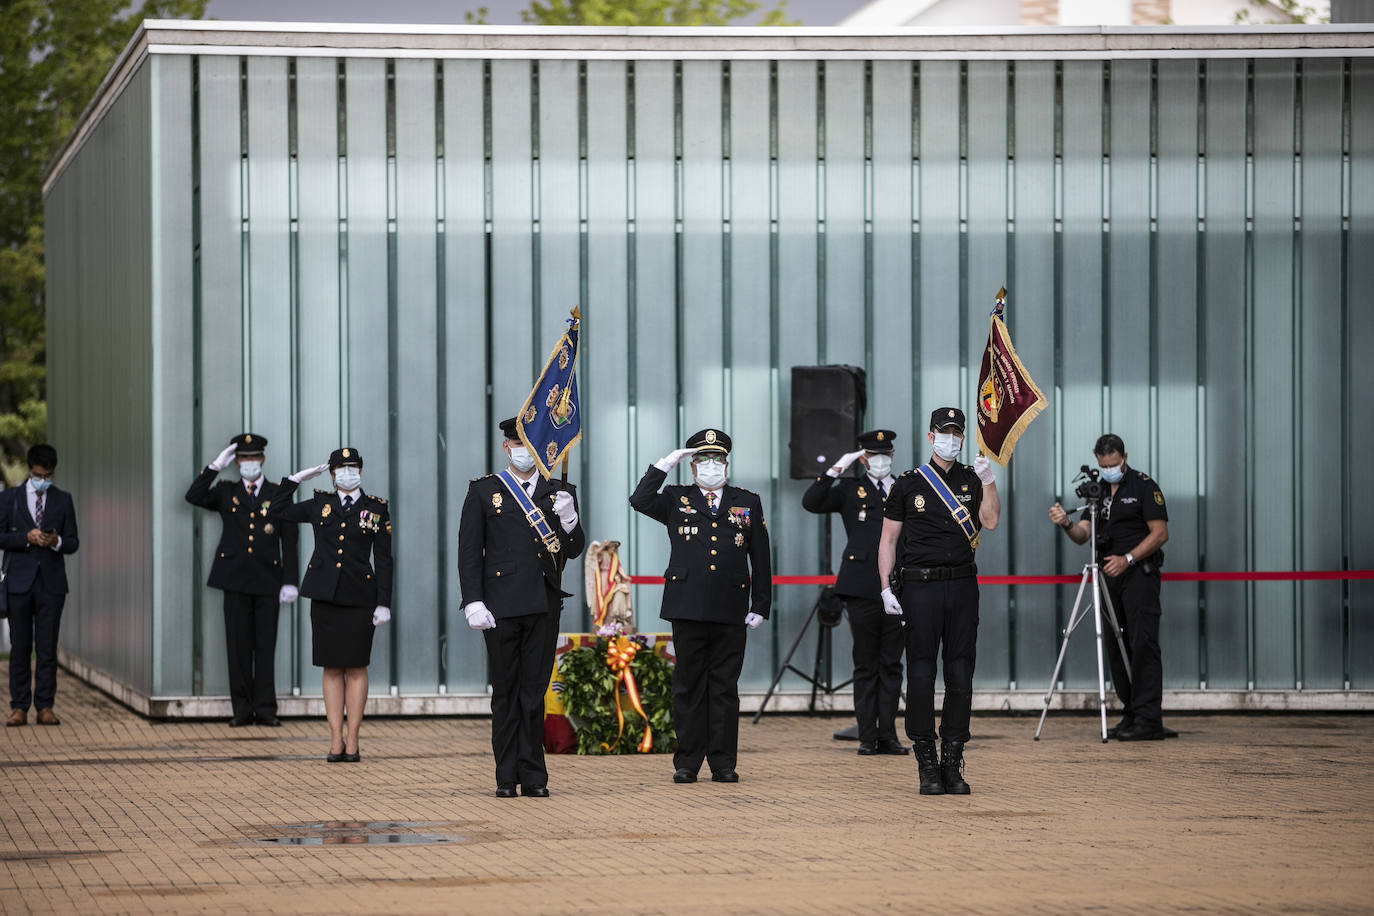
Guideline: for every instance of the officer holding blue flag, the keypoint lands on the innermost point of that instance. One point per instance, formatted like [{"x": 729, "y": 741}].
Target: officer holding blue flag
[{"x": 932, "y": 522}]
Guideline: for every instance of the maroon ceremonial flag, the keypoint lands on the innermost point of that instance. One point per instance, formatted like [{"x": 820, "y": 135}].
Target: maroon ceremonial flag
[{"x": 1008, "y": 398}]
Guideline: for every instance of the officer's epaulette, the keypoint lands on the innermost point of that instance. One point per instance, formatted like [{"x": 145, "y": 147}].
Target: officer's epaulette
[
  {"x": 377, "y": 499},
  {"x": 324, "y": 492},
  {"x": 1143, "y": 475},
  {"x": 744, "y": 490},
  {"x": 483, "y": 477},
  {"x": 907, "y": 473}
]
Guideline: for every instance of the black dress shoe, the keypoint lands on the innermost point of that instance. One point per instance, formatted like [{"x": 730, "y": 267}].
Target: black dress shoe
[
  {"x": 505, "y": 790},
  {"x": 535, "y": 791},
  {"x": 867, "y": 749},
  {"x": 332, "y": 757},
  {"x": 892, "y": 747},
  {"x": 724, "y": 776},
  {"x": 684, "y": 775},
  {"x": 1169, "y": 732},
  {"x": 269, "y": 721},
  {"x": 1124, "y": 725},
  {"x": 353, "y": 757},
  {"x": 1142, "y": 731},
  {"x": 240, "y": 721}
]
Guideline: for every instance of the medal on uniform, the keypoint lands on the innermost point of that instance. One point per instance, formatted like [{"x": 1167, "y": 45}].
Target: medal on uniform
[
  {"x": 863, "y": 494},
  {"x": 920, "y": 502},
  {"x": 268, "y": 529},
  {"x": 739, "y": 539},
  {"x": 684, "y": 500},
  {"x": 496, "y": 500},
  {"x": 324, "y": 513}
]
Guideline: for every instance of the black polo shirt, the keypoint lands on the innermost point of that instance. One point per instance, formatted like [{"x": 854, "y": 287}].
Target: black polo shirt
[
  {"x": 930, "y": 535},
  {"x": 1122, "y": 524}
]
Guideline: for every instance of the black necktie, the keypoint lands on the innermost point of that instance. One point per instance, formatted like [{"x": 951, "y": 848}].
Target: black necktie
[
  {"x": 882, "y": 490},
  {"x": 347, "y": 503},
  {"x": 38, "y": 510}
]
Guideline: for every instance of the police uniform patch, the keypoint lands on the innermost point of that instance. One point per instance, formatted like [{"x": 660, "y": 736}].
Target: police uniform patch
[
  {"x": 920, "y": 502},
  {"x": 710, "y": 437},
  {"x": 863, "y": 494},
  {"x": 1159, "y": 498},
  {"x": 324, "y": 513},
  {"x": 684, "y": 500},
  {"x": 496, "y": 500},
  {"x": 347, "y": 453}
]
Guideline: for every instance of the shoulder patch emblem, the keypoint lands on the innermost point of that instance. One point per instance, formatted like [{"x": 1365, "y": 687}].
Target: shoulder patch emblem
[{"x": 1159, "y": 498}]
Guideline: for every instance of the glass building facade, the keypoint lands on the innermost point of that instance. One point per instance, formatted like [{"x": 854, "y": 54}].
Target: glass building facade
[{"x": 347, "y": 237}]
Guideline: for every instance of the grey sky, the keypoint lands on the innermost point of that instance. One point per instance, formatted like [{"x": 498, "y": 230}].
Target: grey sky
[{"x": 500, "y": 12}]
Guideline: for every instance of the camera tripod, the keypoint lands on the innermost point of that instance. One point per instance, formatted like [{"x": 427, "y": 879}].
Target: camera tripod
[{"x": 1099, "y": 602}]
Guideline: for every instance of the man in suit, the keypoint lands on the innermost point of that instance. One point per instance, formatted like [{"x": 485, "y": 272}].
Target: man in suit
[
  {"x": 718, "y": 586},
  {"x": 255, "y": 566},
  {"x": 38, "y": 532},
  {"x": 510, "y": 570},
  {"x": 878, "y": 639}
]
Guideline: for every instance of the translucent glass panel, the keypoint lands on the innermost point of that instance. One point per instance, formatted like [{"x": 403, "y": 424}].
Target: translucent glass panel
[{"x": 387, "y": 249}]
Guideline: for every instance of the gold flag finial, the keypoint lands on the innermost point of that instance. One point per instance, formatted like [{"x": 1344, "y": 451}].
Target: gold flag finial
[{"x": 1001, "y": 295}]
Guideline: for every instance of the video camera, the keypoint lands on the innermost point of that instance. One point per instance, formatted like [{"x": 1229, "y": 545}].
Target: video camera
[{"x": 1092, "y": 489}]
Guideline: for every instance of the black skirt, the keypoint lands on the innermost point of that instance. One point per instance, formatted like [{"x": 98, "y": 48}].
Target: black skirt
[{"x": 340, "y": 636}]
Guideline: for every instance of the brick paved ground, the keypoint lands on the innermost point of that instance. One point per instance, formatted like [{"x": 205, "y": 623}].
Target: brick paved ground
[{"x": 110, "y": 813}]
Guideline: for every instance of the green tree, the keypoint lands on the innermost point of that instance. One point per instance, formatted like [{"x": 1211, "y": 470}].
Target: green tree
[
  {"x": 53, "y": 55},
  {"x": 651, "y": 12},
  {"x": 1283, "y": 12}
]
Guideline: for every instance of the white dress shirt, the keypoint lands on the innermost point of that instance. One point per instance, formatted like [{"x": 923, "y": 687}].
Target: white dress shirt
[{"x": 33, "y": 507}]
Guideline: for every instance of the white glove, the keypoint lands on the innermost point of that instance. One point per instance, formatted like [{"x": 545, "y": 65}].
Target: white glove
[
  {"x": 479, "y": 618},
  {"x": 305, "y": 474},
  {"x": 563, "y": 508},
  {"x": 839, "y": 467},
  {"x": 890, "y": 603},
  {"x": 671, "y": 460},
  {"x": 223, "y": 458},
  {"x": 288, "y": 594},
  {"x": 381, "y": 615},
  {"x": 982, "y": 466},
  {"x": 752, "y": 620}
]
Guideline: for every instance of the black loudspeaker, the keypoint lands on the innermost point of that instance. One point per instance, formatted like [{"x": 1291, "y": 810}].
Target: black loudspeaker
[{"x": 828, "y": 405}]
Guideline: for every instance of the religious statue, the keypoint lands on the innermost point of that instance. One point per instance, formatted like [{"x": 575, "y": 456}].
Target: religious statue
[{"x": 608, "y": 587}]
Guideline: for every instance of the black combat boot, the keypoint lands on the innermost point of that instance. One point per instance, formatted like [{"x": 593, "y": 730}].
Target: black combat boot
[
  {"x": 928, "y": 768},
  {"x": 951, "y": 766}
]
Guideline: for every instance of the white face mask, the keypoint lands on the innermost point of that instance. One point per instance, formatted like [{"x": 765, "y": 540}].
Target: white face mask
[
  {"x": 879, "y": 466},
  {"x": 710, "y": 473},
  {"x": 520, "y": 458},
  {"x": 250, "y": 470},
  {"x": 948, "y": 445},
  {"x": 1113, "y": 474},
  {"x": 347, "y": 478}
]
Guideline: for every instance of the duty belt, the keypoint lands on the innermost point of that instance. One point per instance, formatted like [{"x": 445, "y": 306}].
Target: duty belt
[{"x": 938, "y": 573}]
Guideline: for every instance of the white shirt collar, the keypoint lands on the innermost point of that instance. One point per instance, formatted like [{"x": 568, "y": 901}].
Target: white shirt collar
[{"x": 349, "y": 494}]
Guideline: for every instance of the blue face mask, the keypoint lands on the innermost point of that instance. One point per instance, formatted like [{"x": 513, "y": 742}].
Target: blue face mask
[
  {"x": 250, "y": 470},
  {"x": 40, "y": 483},
  {"x": 1113, "y": 474},
  {"x": 347, "y": 478}
]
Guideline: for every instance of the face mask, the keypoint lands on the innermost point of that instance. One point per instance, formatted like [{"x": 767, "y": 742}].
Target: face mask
[
  {"x": 250, "y": 470},
  {"x": 40, "y": 483},
  {"x": 521, "y": 459},
  {"x": 1113, "y": 475},
  {"x": 348, "y": 478},
  {"x": 948, "y": 446},
  {"x": 879, "y": 465},
  {"x": 710, "y": 474}
]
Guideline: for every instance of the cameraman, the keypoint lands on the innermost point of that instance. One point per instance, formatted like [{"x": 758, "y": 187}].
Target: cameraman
[{"x": 1132, "y": 526}]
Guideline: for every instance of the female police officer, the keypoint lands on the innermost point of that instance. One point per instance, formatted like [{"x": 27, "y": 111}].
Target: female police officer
[{"x": 349, "y": 584}]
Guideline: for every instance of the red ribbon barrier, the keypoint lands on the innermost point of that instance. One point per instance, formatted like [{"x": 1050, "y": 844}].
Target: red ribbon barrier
[{"x": 1323, "y": 575}]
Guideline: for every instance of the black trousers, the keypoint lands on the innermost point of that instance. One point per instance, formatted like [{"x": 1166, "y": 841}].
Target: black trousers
[
  {"x": 520, "y": 662},
  {"x": 940, "y": 615},
  {"x": 250, "y": 637},
  {"x": 710, "y": 657},
  {"x": 35, "y": 616},
  {"x": 1135, "y": 595},
  {"x": 878, "y": 645}
]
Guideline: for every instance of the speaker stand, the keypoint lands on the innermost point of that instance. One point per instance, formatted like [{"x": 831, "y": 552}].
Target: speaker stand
[{"x": 821, "y": 676}]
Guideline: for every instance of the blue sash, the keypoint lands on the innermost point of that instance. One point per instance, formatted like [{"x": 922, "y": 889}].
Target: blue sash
[
  {"x": 956, "y": 508},
  {"x": 532, "y": 513}
]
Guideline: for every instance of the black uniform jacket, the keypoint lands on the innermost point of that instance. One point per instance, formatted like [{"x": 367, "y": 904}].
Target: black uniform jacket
[
  {"x": 249, "y": 559},
  {"x": 860, "y": 504},
  {"x": 26, "y": 560},
  {"x": 708, "y": 576},
  {"x": 1124, "y": 518},
  {"x": 502, "y": 562},
  {"x": 930, "y": 535},
  {"x": 341, "y": 569}
]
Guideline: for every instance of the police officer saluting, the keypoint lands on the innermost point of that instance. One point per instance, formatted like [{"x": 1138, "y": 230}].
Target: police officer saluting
[
  {"x": 932, "y": 522},
  {"x": 1131, "y": 529},
  {"x": 255, "y": 567},
  {"x": 718, "y": 585},
  {"x": 348, "y": 583},
  {"x": 877, "y": 636},
  {"x": 518, "y": 531}
]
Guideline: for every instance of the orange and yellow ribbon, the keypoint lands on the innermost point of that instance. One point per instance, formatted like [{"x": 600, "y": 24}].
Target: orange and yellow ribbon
[{"x": 619, "y": 654}]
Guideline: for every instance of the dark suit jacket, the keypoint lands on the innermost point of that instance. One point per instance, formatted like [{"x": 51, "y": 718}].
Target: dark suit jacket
[
  {"x": 26, "y": 560},
  {"x": 249, "y": 558},
  {"x": 858, "y": 576},
  {"x": 708, "y": 576},
  {"x": 501, "y": 560},
  {"x": 341, "y": 569}
]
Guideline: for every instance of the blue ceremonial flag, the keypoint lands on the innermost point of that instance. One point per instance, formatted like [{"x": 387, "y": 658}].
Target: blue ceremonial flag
[{"x": 550, "y": 423}]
